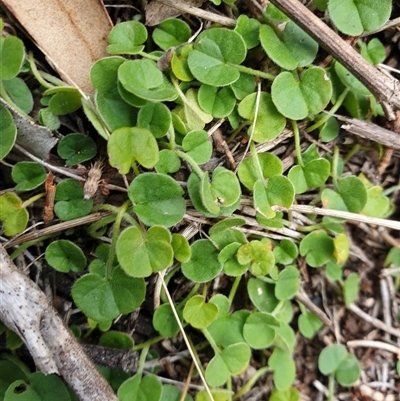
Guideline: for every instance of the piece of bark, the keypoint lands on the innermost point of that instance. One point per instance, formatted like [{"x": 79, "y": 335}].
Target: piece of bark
[
  {"x": 72, "y": 34},
  {"x": 25, "y": 309},
  {"x": 385, "y": 88}
]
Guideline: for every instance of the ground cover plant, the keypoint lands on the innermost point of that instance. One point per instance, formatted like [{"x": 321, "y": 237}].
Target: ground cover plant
[{"x": 226, "y": 206}]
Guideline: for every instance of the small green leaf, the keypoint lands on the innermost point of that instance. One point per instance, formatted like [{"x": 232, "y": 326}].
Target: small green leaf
[
  {"x": 198, "y": 146},
  {"x": 288, "y": 283},
  {"x": 350, "y": 289},
  {"x": 145, "y": 80},
  {"x": 290, "y": 394},
  {"x": 128, "y": 145},
  {"x": 70, "y": 201},
  {"x": 155, "y": 117},
  {"x": 28, "y": 175},
  {"x": 317, "y": 247},
  {"x": 330, "y": 130},
  {"x": 164, "y": 321},
  {"x": 12, "y": 214},
  {"x": 127, "y": 38},
  {"x": 331, "y": 357},
  {"x": 19, "y": 93},
  {"x": 248, "y": 28},
  {"x": 170, "y": 33},
  {"x": 8, "y": 131},
  {"x": 137, "y": 388},
  {"x": 269, "y": 122},
  {"x": 48, "y": 387},
  {"x": 309, "y": 324},
  {"x": 158, "y": 199},
  {"x": 64, "y": 255},
  {"x": 65, "y": 100},
  {"x": 199, "y": 313},
  {"x": 259, "y": 331},
  {"x": 309, "y": 95},
  {"x": 173, "y": 393},
  {"x": 353, "y": 17},
  {"x": 168, "y": 162},
  {"x": 260, "y": 256},
  {"x": 282, "y": 363},
  {"x": 181, "y": 248},
  {"x": 76, "y": 148},
  {"x": 214, "y": 50},
  {"x": 350, "y": 196},
  {"x": 179, "y": 64},
  {"x": 12, "y": 54},
  {"x": 203, "y": 266},
  {"x": 244, "y": 86},
  {"x": 374, "y": 51},
  {"x": 219, "y": 102},
  {"x": 378, "y": 204},
  {"x": 116, "y": 339},
  {"x": 285, "y": 252},
  {"x": 229, "y": 261},
  {"x": 140, "y": 255},
  {"x": 348, "y": 371},
  {"x": 102, "y": 300},
  {"x": 262, "y": 295},
  {"x": 350, "y": 81},
  {"x": 312, "y": 175}
]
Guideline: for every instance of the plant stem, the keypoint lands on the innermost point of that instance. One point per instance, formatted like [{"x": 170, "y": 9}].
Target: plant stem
[
  {"x": 256, "y": 162},
  {"x": 27, "y": 244},
  {"x": 192, "y": 163},
  {"x": 297, "y": 143},
  {"x": 331, "y": 387},
  {"x": 36, "y": 73},
  {"x": 250, "y": 383},
  {"x": 251, "y": 71},
  {"x": 33, "y": 199},
  {"x": 142, "y": 359},
  {"x": 234, "y": 288},
  {"x": 147, "y": 343},
  {"x": 149, "y": 56},
  {"x": 117, "y": 226},
  {"x": 335, "y": 166},
  {"x": 211, "y": 341},
  {"x": 328, "y": 114}
]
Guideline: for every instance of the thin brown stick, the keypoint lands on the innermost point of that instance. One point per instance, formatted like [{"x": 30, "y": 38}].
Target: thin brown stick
[{"x": 386, "y": 89}]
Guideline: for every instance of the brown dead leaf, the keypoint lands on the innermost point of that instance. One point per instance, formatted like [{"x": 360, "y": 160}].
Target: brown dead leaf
[
  {"x": 72, "y": 34},
  {"x": 157, "y": 12}
]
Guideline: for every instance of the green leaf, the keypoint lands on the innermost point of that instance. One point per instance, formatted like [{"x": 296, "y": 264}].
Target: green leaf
[
  {"x": 282, "y": 363},
  {"x": 377, "y": 204},
  {"x": 350, "y": 289},
  {"x": 317, "y": 247},
  {"x": 199, "y": 313},
  {"x": 309, "y": 324},
  {"x": 350, "y": 196},
  {"x": 12, "y": 54},
  {"x": 374, "y": 51},
  {"x": 312, "y": 175},
  {"x": 28, "y": 175},
  {"x": 214, "y": 50},
  {"x": 168, "y": 162},
  {"x": 269, "y": 122},
  {"x": 127, "y": 38},
  {"x": 128, "y": 145},
  {"x": 279, "y": 191},
  {"x": 353, "y": 17},
  {"x": 65, "y": 100},
  {"x": 104, "y": 73},
  {"x": 350, "y": 81},
  {"x": 181, "y": 248},
  {"x": 179, "y": 64},
  {"x": 262, "y": 295},
  {"x": 155, "y": 117},
  {"x": 309, "y": 95},
  {"x": 145, "y": 80},
  {"x": 8, "y": 131},
  {"x": 292, "y": 50},
  {"x": 170, "y": 33},
  {"x": 285, "y": 252},
  {"x": 116, "y": 339},
  {"x": 76, "y": 148},
  {"x": 331, "y": 357},
  {"x": 173, "y": 393},
  {"x": 233, "y": 360},
  {"x": 198, "y": 146},
  {"x": 259, "y": 255},
  {"x": 248, "y": 28},
  {"x": 219, "y": 102},
  {"x": 102, "y": 300},
  {"x": 140, "y": 255},
  {"x": 136, "y": 388},
  {"x": 158, "y": 199},
  {"x": 291, "y": 394},
  {"x": 164, "y": 321},
  {"x": 270, "y": 164},
  {"x": 70, "y": 201},
  {"x": 229, "y": 261},
  {"x": 203, "y": 266},
  {"x": 64, "y": 255},
  {"x": 259, "y": 331},
  {"x": 330, "y": 130},
  {"x": 348, "y": 372},
  {"x": 12, "y": 214},
  {"x": 19, "y": 93},
  {"x": 244, "y": 86},
  {"x": 393, "y": 258},
  {"x": 288, "y": 283}
]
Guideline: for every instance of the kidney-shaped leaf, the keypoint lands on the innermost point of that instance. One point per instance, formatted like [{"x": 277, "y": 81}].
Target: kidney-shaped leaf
[
  {"x": 76, "y": 148},
  {"x": 199, "y": 313},
  {"x": 353, "y": 17},
  {"x": 171, "y": 32},
  {"x": 213, "y": 52},
  {"x": 128, "y": 145},
  {"x": 12, "y": 213},
  {"x": 127, "y": 38},
  {"x": 12, "y": 55},
  {"x": 64, "y": 255},
  {"x": 28, "y": 175},
  {"x": 158, "y": 199},
  {"x": 259, "y": 331},
  {"x": 8, "y": 132},
  {"x": 198, "y": 146},
  {"x": 318, "y": 248},
  {"x": 309, "y": 95},
  {"x": 259, "y": 255}
]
